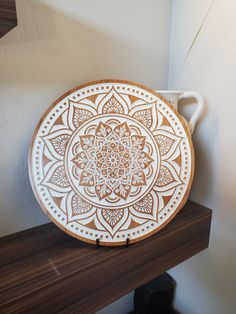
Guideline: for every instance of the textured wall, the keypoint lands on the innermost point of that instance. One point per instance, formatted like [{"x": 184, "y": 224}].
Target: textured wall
[{"x": 206, "y": 283}]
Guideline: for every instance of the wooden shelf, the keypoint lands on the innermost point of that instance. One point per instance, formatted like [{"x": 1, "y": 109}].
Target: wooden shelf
[
  {"x": 44, "y": 269},
  {"x": 8, "y": 18}
]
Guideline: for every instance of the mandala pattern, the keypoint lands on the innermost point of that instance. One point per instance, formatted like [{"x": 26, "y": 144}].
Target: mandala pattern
[{"x": 111, "y": 161}]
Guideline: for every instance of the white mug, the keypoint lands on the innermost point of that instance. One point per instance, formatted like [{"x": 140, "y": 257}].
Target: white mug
[{"x": 173, "y": 98}]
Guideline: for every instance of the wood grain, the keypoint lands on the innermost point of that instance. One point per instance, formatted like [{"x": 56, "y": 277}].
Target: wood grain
[
  {"x": 8, "y": 18},
  {"x": 43, "y": 269}
]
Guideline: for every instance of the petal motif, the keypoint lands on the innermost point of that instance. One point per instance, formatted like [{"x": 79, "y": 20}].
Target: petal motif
[
  {"x": 138, "y": 178},
  {"x": 167, "y": 142},
  {"x": 57, "y": 141},
  {"x": 80, "y": 160},
  {"x": 103, "y": 130},
  {"x": 56, "y": 178},
  {"x": 102, "y": 191},
  {"x": 123, "y": 191},
  {"x": 112, "y": 220},
  {"x": 112, "y": 216},
  {"x": 122, "y": 130},
  {"x": 147, "y": 207},
  {"x": 144, "y": 160},
  {"x": 112, "y": 106},
  {"x": 79, "y": 114},
  {"x": 86, "y": 141},
  {"x": 167, "y": 179},
  {"x": 86, "y": 179},
  {"x": 138, "y": 141},
  {"x": 77, "y": 208},
  {"x": 145, "y": 114},
  {"x": 113, "y": 102}
]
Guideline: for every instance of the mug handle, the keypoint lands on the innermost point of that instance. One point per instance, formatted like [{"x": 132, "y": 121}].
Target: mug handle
[{"x": 197, "y": 113}]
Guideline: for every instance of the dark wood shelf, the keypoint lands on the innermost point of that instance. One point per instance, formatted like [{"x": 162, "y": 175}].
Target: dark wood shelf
[
  {"x": 8, "y": 18},
  {"x": 44, "y": 269}
]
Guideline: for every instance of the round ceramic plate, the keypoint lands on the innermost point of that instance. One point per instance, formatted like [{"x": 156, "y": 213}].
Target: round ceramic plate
[{"x": 111, "y": 160}]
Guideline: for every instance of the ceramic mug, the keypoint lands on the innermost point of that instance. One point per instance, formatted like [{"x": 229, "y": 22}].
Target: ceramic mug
[{"x": 173, "y": 98}]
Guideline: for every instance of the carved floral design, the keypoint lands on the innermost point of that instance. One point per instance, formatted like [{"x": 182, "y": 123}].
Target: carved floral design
[
  {"x": 113, "y": 161},
  {"x": 144, "y": 116},
  {"x": 113, "y": 106}
]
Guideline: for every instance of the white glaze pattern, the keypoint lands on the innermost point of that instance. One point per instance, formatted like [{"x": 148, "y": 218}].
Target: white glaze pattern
[{"x": 111, "y": 161}]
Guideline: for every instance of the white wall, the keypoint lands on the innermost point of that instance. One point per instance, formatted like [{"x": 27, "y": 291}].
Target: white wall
[
  {"x": 206, "y": 283},
  {"x": 56, "y": 46}
]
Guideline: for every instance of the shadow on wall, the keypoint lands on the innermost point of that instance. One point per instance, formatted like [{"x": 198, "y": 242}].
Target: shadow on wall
[
  {"x": 211, "y": 267},
  {"x": 50, "y": 47},
  {"x": 202, "y": 184}
]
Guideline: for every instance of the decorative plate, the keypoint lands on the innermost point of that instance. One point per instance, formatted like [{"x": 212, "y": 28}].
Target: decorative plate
[{"x": 111, "y": 160}]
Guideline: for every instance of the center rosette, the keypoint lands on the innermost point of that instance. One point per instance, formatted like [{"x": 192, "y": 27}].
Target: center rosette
[{"x": 113, "y": 161}]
